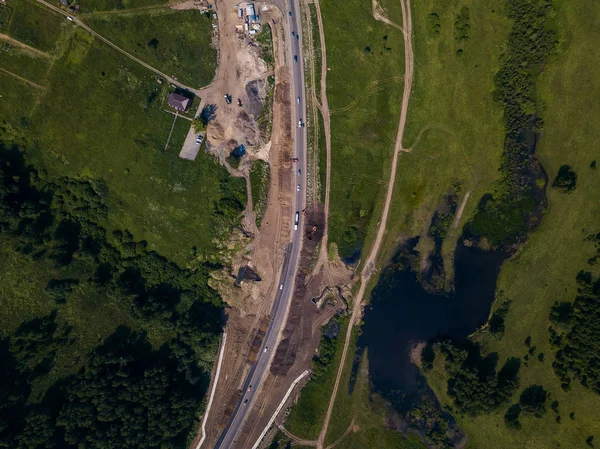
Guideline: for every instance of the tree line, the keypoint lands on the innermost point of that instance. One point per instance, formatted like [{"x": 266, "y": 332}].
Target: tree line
[
  {"x": 575, "y": 332},
  {"x": 504, "y": 216},
  {"x": 128, "y": 394}
]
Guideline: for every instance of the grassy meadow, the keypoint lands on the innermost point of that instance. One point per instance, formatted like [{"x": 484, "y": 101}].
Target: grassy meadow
[
  {"x": 365, "y": 63},
  {"x": 454, "y": 127},
  {"x": 98, "y": 116},
  {"x": 35, "y": 25},
  {"x": 24, "y": 64},
  {"x": 17, "y": 98},
  {"x": 116, "y": 5},
  {"x": 177, "y": 43},
  {"x": 546, "y": 268}
]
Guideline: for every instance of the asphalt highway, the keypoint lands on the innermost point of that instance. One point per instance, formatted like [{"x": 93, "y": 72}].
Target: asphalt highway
[{"x": 290, "y": 267}]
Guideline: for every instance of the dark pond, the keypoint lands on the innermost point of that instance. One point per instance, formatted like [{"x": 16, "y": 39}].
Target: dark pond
[{"x": 402, "y": 312}]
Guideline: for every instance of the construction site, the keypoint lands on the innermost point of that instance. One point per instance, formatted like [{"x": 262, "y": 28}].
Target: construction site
[{"x": 250, "y": 283}]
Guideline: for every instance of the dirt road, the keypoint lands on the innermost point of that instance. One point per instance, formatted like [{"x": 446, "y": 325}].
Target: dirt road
[
  {"x": 20, "y": 78},
  {"x": 15, "y": 43},
  {"x": 370, "y": 262}
]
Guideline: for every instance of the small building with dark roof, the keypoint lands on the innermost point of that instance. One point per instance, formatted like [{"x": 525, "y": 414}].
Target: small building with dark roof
[{"x": 179, "y": 102}]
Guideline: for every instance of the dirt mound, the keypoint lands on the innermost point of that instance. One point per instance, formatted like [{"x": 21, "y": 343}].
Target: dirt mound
[
  {"x": 314, "y": 223},
  {"x": 246, "y": 129},
  {"x": 255, "y": 90},
  {"x": 215, "y": 133}
]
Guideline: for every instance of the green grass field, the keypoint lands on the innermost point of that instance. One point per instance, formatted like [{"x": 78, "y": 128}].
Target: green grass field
[
  {"x": 92, "y": 316},
  {"x": 17, "y": 99},
  {"x": 175, "y": 42},
  {"x": 260, "y": 178},
  {"x": 358, "y": 420},
  {"x": 99, "y": 116},
  {"x": 453, "y": 124},
  {"x": 116, "y": 5},
  {"x": 5, "y": 15},
  {"x": 545, "y": 270},
  {"x": 361, "y": 54},
  {"x": 24, "y": 64},
  {"x": 35, "y": 25}
]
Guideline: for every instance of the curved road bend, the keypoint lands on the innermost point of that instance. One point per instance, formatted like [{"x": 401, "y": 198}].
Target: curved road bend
[{"x": 290, "y": 266}]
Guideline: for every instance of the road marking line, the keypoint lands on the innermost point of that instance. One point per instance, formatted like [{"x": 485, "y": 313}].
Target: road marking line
[
  {"x": 212, "y": 393},
  {"x": 283, "y": 401}
]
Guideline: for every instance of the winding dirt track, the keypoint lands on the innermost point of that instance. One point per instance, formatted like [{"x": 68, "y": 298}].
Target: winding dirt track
[
  {"x": 327, "y": 125},
  {"x": 370, "y": 262}
]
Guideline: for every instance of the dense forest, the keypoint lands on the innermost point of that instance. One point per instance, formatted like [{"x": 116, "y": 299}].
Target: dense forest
[
  {"x": 128, "y": 391},
  {"x": 575, "y": 331}
]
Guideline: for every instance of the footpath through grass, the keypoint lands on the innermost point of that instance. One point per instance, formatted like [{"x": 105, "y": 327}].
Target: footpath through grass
[
  {"x": 24, "y": 64},
  {"x": 546, "y": 269},
  {"x": 454, "y": 127},
  {"x": 177, "y": 43},
  {"x": 365, "y": 58}
]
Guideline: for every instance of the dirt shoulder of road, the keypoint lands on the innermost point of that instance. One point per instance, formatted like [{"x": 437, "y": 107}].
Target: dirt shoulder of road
[
  {"x": 263, "y": 250},
  {"x": 318, "y": 296},
  {"x": 301, "y": 334},
  {"x": 250, "y": 304}
]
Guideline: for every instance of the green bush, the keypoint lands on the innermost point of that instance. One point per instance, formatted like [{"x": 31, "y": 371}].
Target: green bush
[
  {"x": 580, "y": 345},
  {"x": 511, "y": 417},
  {"x": 473, "y": 383},
  {"x": 462, "y": 26},
  {"x": 60, "y": 289},
  {"x": 533, "y": 400},
  {"x": 434, "y": 24},
  {"x": 566, "y": 179}
]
